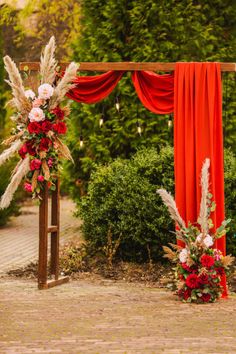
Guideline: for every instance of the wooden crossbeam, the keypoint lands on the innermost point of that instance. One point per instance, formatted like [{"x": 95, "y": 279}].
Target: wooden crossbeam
[{"x": 121, "y": 66}]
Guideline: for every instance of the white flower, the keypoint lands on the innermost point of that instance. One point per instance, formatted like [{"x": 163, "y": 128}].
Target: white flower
[
  {"x": 183, "y": 255},
  {"x": 29, "y": 94},
  {"x": 36, "y": 115},
  {"x": 45, "y": 91},
  {"x": 208, "y": 241}
]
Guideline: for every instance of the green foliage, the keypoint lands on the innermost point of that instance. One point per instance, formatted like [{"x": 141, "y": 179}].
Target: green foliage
[
  {"x": 122, "y": 198},
  {"x": 230, "y": 199},
  {"x": 143, "y": 31}
]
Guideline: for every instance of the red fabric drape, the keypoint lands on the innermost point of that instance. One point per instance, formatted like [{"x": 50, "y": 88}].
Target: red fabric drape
[
  {"x": 198, "y": 135},
  {"x": 92, "y": 89},
  {"x": 156, "y": 92}
]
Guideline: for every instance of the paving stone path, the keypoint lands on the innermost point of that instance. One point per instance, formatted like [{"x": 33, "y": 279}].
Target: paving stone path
[
  {"x": 109, "y": 317},
  {"x": 99, "y": 316},
  {"x": 19, "y": 239}
]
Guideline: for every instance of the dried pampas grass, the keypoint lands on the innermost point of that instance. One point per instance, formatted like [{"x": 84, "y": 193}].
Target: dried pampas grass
[
  {"x": 63, "y": 150},
  {"x": 64, "y": 85},
  {"x": 10, "y": 151},
  {"x": 203, "y": 214},
  {"x": 23, "y": 169},
  {"x": 172, "y": 208},
  {"x": 15, "y": 81},
  {"x": 48, "y": 63}
]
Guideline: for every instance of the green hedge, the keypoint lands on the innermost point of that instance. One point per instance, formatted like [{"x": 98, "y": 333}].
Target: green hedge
[{"x": 122, "y": 196}]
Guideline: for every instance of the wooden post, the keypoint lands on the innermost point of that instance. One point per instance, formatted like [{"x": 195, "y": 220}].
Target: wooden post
[
  {"x": 54, "y": 229},
  {"x": 55, "y": 221},
  {"x": 43, "y": 238}
]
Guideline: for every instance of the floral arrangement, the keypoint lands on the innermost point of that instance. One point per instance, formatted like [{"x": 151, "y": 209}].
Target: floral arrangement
[
  {"x": 40, "y": 123},
  {"x": 199, "y": 267}
]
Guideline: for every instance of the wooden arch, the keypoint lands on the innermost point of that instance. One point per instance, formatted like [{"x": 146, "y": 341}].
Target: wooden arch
[{"x": 54, "y": 227}]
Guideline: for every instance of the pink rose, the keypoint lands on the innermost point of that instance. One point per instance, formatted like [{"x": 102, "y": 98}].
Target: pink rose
[
  {"x": 36, "y": 115},
  {"x": 45, "y": 91},
  {"x": 28, "y": 187},
  {"x": 35, "y": 164},
  {"x": 38, "y": 102},
  {"x": 50, "y": 162},
  {"x": 40, "y": 178}
]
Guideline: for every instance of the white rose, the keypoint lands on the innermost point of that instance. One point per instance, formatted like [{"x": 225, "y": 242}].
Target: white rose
[
  {"x": 29, "y": 94},
  {"x": 208, "y": 241},
  {"x": 45, "y": 91},
  {"x": 36, "y": 115},
  {"x": 183, "y": 255}
]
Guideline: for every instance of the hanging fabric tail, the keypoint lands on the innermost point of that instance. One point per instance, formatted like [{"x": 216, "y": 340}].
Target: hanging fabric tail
[{"x": 197, "y": 136}]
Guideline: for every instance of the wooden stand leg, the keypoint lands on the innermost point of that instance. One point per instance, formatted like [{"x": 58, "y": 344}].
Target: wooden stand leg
[
  {"x": 43, "y": 238},
  {"x": 55, "y": 219},
  {"x": 54, "y": 229}
]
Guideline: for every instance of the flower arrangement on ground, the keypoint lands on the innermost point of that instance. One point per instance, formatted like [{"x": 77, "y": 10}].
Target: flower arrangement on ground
[
  {"x": 199, "y": 266},
  {"x": 40, "y": 122}
]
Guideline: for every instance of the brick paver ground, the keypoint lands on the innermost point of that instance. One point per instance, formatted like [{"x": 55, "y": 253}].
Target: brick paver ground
[
  {"x": 109, "y": 317},
  {"x": 19, "y": 238},
  {"x": 99, "y": 316}
]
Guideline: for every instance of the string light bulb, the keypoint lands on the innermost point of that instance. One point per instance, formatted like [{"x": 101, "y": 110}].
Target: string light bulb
[
  {"x": 170, "y": 123},
  {"x": 101, "y": 121},
  {"x": 117, "y": 104},
  {"x": 81, "y": 141},
  {"x": 139, "y": 129}
]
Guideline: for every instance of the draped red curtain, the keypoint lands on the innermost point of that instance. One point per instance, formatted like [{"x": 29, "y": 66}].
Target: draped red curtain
[
  {"x": 92, "y": 89},
  {"x": 197, "y": 136},
  {"x": 156, "y": 92}
]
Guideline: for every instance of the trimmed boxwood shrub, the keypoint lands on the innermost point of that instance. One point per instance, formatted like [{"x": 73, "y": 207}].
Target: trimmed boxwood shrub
[
  {"x": 122, "y": 196},
  {"x": 230, "y": 199}
]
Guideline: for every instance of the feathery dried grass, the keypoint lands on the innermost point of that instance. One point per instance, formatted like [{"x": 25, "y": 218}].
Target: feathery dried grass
[
  {"x": 10, "y": 151},
  {"x": 227, "y": 260},
  {"x": 63, "y": 150},
  {"x": 203, "y": 214},
  {"x": 64, "y": 85},
  {"x": 12, "y": 138},
  {"x": 169, "y": 253},
  {"x": 23, "y": 169},
  {"x": 46, "y": 170},
  {"x": 34, "y": 180},
  {"x": 48, "y": 63},
  {"x": 172, "y": 208},
  {"x": 18, "y": 91}
]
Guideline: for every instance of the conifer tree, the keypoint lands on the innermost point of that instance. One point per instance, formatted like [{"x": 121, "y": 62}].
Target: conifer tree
[{"x": 142, "y": 31}]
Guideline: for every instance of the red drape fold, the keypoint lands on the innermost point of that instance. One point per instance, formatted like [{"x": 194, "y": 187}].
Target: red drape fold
[
  {"x": 156, "y": 92},
  {"x": 198, "y": 135},
  {"x": 92, "y": 89}
]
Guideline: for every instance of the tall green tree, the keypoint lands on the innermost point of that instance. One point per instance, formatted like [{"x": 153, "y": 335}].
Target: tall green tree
[{"x": 142, "y": 31}]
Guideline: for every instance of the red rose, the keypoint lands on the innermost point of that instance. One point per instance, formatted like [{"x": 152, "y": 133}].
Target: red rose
[
  {"x": 60, "y": 128},
  {"x": 220, "y": 271},
  {"x": 59, "y": 113},
  {"x": 35, "y": 164},
  {"x": 23, "y": 151},
  {"x": 44, "y": 144},
  {"x": 30, "y": 147},
  {"x": 203, "y": 279},
  {"x": 206, "y": 297},
  {"x": 46, "y": 126},
  {"x": 34, "y": 128},
  {"x": 192, "y": 281},
  {"x": 187, "y": 294},
  {"x": 207, "y": 261}
]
